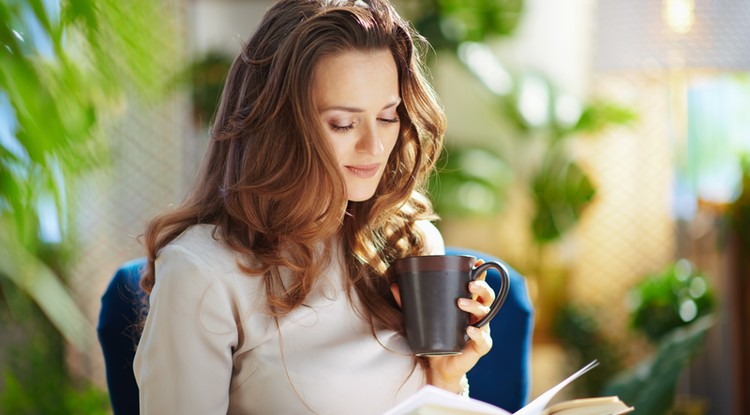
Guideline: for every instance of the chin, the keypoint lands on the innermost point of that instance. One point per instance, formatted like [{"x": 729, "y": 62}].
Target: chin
[
  {"x": 361, "y": 196},
  {"x": 360, "y": 199}
]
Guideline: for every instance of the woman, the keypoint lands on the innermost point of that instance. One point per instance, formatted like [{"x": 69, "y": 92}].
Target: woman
[{"x": 268, "y": 287}]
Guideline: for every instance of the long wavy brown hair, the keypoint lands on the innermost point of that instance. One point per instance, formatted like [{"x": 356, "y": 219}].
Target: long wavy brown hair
[{"x": 270, "y": 183}]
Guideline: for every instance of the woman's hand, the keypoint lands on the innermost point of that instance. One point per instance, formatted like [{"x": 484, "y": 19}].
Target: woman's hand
[{"x": 447, "y": 371}]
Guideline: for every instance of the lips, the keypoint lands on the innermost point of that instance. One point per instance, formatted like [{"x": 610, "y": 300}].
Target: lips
[{"x": 364, "y": 171}]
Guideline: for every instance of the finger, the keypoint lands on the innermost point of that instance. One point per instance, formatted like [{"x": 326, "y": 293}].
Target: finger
[
  {"x": 482, "y": 292},
  {"x": 473, "y": 307},
  {"x": 396, "y": 294},
  {"x": 480, "y": 340},
  {"x": 483, "y": 275}
]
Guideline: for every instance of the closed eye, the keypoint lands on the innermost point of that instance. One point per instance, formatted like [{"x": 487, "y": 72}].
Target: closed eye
[
  {"x": 389, "y": 120},
  {"x": 341, "y": 128}
]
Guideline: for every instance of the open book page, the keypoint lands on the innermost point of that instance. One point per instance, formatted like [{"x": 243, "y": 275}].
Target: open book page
[
  {"x": 590, "y": 406},
  {"x": 537, "y": 405},
  {"x": 435, "y": 401}
]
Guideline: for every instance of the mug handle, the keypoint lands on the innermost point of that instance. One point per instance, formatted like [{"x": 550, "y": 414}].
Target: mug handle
[{"x": 500, "y": 297}]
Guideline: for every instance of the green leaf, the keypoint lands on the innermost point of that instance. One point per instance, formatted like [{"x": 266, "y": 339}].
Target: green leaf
[
  {"x": 600, "y": 114},
  {"x": 448, "y": 23},
  {"x": 561, "y": 191},
  {"x": 30, "y": 274},
  {"x": 650, "y": 386},
  {"x": 674, "y": 297},
  {"x": 470, "y": 181},
  {"x": 100, "y": 49}
]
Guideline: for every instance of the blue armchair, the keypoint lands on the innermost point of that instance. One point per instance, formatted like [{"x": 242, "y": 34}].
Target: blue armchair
[
  {"x": 501, "y": 378},
  {"x": 122, "y": 304}
]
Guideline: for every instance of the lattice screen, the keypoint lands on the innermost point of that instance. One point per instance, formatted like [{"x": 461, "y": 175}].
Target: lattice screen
[
  {"x": 153, "y": 155},
  {"x": 628, "y": 231}
]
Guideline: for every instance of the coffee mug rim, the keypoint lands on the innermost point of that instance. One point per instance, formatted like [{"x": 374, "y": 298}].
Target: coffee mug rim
[{"x": 434, "y": 262}]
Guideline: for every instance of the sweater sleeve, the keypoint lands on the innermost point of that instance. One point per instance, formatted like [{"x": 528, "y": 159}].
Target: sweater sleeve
[{"x": 183, "y": 364}]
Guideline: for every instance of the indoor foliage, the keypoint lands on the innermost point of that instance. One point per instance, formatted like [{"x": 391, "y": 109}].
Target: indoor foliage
[{"x": 65, "y": 69}]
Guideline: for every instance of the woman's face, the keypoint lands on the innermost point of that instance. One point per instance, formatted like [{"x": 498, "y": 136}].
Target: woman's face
[{"x": 356, "y": 94}]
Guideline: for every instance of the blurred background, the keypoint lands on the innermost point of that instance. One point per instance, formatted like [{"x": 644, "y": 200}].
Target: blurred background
[{"x": 600, "y": 147}]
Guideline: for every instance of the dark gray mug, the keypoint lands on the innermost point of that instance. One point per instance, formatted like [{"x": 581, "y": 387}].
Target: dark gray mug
[{"x": 430, "y": 287}]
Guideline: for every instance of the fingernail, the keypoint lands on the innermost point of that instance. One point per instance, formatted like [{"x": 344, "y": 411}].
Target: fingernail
[
  {"x": 464, "y": 302},
  {"x": 472, "y": 330},
  {"x": 473, "y": 286}
]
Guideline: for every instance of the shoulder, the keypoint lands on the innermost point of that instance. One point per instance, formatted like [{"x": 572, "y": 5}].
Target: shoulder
[
  {"x": 195, "y": 273},
  {"x": 199, "y": 239},
  {"x": 198, "y": 244},
  {"x": 434, "y": 243},
  {"x": 195, "y": 259}
]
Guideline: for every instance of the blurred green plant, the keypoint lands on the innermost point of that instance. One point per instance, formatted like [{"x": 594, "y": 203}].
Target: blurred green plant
[
  {"x": 542, "y": 125},
  {"x": 532, "y": 162},
  {"x": 35, "y": 378},
  {"x": 651, "y": 385},
  {"x": 205, "y": 77},
  {"x": 673, "y": 309},
  {"x": 581, "y": 336},
  {"x": 674, "y": 297},
  {"x": 540, "y": 119},
  {"x": 64, "y": 67},
  {"x": 471, "y": 181},
  {"x": 449, "y": 23}
]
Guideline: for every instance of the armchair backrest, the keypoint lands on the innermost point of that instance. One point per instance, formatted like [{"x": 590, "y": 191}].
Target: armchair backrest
[
  {"x": 501, "y": 378},
  {"x": 123, "y": 303}
]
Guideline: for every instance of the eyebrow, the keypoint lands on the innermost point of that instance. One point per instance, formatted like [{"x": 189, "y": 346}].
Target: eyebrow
[{"x": 355, "y": 109}]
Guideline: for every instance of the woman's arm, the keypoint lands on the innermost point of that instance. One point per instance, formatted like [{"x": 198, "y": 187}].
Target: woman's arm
[{"x": 183, "y": 364}]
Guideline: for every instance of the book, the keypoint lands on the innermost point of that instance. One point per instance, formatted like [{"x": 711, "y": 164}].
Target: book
[{"x": 435, "y": 401}]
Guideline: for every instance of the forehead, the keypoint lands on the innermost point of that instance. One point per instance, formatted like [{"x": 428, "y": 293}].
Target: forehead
[{"x": 356, "y": 78}]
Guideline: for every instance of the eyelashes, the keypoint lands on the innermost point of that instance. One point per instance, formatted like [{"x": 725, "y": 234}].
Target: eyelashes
[
  {"x": 341, "y": 128},
  {"x": 344, "y": 128},
  {"x": 389, "y": 120}
]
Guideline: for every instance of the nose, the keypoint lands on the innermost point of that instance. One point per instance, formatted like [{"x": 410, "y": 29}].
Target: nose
[{"x": 370, "y": 142}]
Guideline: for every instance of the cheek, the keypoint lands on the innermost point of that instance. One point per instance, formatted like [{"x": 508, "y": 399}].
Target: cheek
[
  {"x": 391, "y": 141},
  {"x": 336, "y": 146}
]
